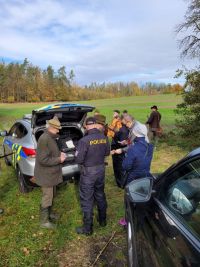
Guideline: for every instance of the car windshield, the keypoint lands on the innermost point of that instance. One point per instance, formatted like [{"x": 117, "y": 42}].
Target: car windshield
[{"x": 183, "y": 195}]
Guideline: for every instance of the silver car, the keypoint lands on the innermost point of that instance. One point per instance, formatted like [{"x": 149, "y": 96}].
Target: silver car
[{"x": 20, "y": 142}]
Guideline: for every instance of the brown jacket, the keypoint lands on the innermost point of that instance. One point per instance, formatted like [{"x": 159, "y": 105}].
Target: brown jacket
[
  {"x": 48, "y": 171},
  {"x": 154, "y": 120}
]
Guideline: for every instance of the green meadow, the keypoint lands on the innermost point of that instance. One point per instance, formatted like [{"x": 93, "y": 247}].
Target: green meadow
[
  {"x": 23, "y": 243},
  {"x": 138, "y": 106}
]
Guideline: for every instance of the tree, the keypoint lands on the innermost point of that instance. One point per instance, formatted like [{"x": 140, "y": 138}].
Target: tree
[
  {"x": 189, "y": 110},
  {"x": 190, "y": 44}
]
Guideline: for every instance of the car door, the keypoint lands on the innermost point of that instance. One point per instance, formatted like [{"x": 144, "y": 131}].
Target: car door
[
  {"x": 168, "y": 228},
  {"x": 9, "y": 140},
  {"x": 13, "y": 140}
]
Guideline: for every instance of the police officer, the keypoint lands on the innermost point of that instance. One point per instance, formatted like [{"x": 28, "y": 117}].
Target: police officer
[{"x": 90, "y": 154}]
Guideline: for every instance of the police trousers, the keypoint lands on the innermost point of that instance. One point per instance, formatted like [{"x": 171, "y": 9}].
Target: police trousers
[{"x": 92, "y": 181}]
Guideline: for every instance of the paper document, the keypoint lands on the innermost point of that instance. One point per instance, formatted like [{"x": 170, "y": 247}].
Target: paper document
[{"x": 70, "y": 144}]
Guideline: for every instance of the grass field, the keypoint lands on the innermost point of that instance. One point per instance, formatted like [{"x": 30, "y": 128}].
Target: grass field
[
  {"x": 23, "y": 243},
  {"x": 138, "y": 106}
]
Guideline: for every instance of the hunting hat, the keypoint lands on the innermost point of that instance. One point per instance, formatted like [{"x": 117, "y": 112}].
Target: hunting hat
[
  {"x": 155, "y": 107},
  {"x": 100, "y": 119},
  {"x": 55, "y": 123},
  {"x": 90, "y": 121},
  {"x": 117, "y": 111}
]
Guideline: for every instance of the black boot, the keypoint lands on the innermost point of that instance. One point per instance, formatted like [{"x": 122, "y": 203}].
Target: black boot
[
  {"x": 86, "y": 229},
  {"x": 44, "y": 219},
  {"x": 52, "y": 215},
  {"x": 101, "y": 218}
]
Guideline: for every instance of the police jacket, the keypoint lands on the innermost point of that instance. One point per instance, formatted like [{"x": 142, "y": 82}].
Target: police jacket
[
  {"x": 138, "y": 159},
  {"x": 48, "y": 171},
  {"x": 92, "y": 149}
]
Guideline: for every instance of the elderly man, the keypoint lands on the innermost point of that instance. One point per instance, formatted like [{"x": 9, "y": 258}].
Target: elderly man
[
  {"x": 130, "y": 123},
  {"x": 48, "y": 171},
  {"x": 91, "y": 152}
]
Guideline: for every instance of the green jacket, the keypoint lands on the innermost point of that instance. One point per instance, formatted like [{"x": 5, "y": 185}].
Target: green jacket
[{"x": 48, "y": 170}]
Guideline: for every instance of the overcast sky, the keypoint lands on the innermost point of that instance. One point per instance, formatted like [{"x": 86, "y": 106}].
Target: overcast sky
[{"x": 101, "y": 40}]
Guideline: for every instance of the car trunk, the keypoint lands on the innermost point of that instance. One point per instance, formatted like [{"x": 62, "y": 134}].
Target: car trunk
[
  {"x": 66, "y": 134},
  {"x": 71, "y": 117}
]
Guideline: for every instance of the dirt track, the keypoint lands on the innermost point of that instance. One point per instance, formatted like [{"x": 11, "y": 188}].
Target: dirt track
[{"x": 84, "y": 251}]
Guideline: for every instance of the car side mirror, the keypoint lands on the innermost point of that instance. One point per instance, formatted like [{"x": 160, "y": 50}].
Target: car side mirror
[
  {"x": 140, "y": 190},
  {"x": 3, "y": 133}
]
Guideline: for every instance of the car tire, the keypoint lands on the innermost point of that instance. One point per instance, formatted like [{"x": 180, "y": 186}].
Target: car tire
[
  {"x": 76, "y": 178},
  {"x": 131, "y": 246},
  {"x": 7, "y": 162},
  {"x": 23, "y": 188}
]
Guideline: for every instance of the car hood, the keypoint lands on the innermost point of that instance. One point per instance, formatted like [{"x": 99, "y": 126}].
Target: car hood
[{"x": 66, "y": 113}]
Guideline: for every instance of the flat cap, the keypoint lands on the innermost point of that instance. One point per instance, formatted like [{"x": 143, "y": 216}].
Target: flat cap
[
  {"x": 90, "y": 121},
  {"x": 100, "y": 119}
]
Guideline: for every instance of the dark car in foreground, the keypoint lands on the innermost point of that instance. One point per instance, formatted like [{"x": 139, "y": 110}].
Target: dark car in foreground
[
  {"x": 20, "y": 142},
  {"x": 163, "y": 216}
]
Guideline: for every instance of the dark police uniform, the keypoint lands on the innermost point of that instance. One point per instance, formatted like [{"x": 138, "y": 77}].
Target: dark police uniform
[{"x": 91, "y": 152}]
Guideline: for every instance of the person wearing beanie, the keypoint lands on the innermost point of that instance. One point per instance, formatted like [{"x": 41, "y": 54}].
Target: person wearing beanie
[
  {"x": 139, "y": 155},
  {"x": 137, "y": 161}
]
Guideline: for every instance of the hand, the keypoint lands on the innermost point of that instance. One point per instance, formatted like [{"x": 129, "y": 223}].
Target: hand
[
  {"x": 112, "y": 152},
  {"x": 118, "y": 151},
  {"x": 124, "y": 142},
  {"x": 62, "y": 157}
]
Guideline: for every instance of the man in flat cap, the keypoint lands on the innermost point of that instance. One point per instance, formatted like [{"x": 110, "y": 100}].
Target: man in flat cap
[
  {"x": 101, "y": 123},
  {"x": 154, "y": 123},
  {"x": 91, "y": 152},
  {"x": 48, "y": 171}
]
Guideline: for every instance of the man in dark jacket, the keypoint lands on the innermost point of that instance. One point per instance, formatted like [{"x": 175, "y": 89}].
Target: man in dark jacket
[
  {"x": 48, "y": 171},
  {"x": 117, "y": 142},
  {"x": 154, "y": 123},
  {"x": 91, "y": 152}
]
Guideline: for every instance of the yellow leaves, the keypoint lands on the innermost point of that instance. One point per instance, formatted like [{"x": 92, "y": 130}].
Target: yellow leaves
[{"x": 26, "y": 251}]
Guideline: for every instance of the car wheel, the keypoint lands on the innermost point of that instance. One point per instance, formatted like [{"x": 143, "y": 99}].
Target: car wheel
[
  {"x": 76, "y": 178},
  {"x": 23, "y": 188},
  {"x": 131, "y": 246},
  {"x": 7, "y": 162}
]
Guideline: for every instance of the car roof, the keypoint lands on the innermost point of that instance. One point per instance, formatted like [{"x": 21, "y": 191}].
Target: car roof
[
  {"x": 61, "y": 105},
  {"x": 194, "y": 152}
]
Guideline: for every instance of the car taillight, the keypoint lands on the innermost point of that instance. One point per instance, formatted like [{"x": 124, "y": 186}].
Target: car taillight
[{"x": 30, "y": 152}]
